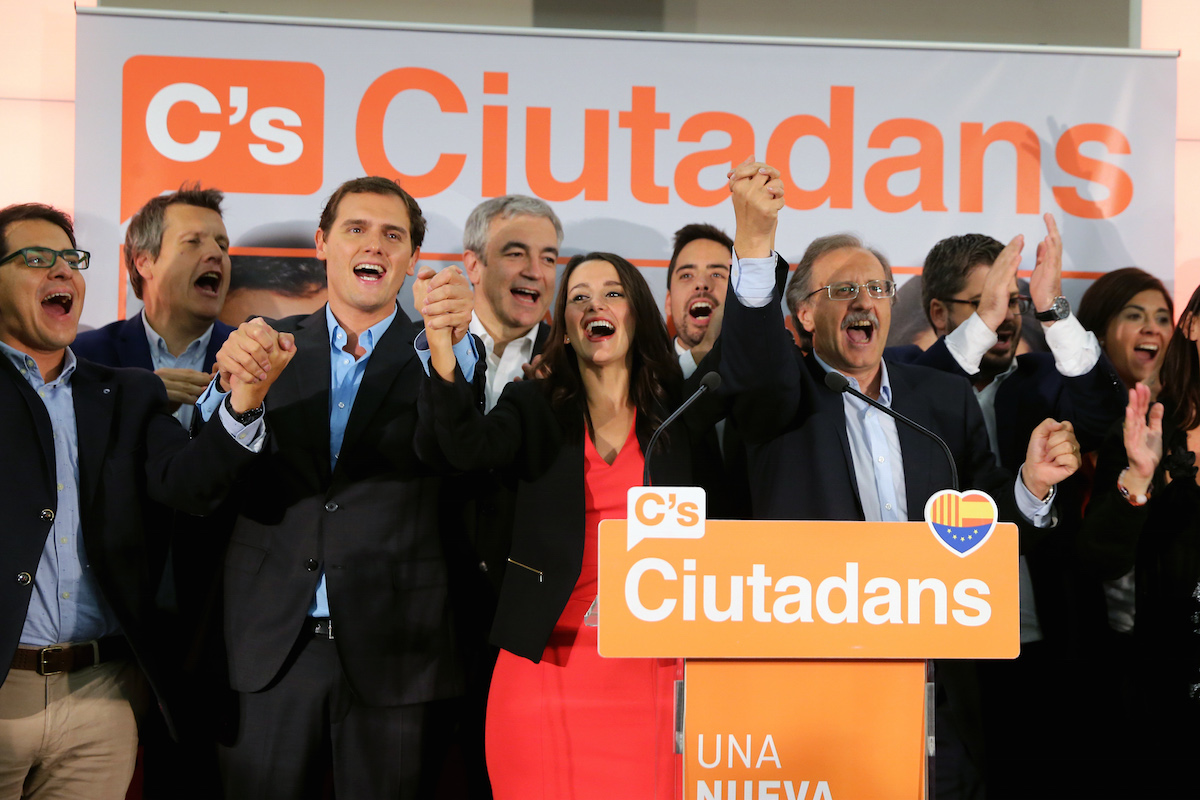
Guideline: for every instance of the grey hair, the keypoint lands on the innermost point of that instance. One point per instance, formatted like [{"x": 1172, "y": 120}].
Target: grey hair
[
  {"x": 798, "y": 288},
  {"x": 475, "y": 232}
]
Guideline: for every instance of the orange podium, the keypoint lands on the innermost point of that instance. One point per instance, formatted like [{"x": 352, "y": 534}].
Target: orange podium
[{"x": 805, "y": 643}]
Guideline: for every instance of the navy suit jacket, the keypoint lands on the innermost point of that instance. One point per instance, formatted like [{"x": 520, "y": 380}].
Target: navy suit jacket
[{"x": 123, "y": 344}]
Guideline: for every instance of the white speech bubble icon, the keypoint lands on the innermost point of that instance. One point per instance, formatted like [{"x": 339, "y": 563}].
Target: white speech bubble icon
[{"x": 665, "y": 512}]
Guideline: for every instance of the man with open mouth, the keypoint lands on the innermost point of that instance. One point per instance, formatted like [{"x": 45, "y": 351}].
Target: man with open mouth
[
  {"x": 83, "y": 643},
  {"x": 820, "y": 454},
  {"x": 510, "y": 252},
  {"x": 177, "y": 258},
  {"x": 970, "y": 295}
]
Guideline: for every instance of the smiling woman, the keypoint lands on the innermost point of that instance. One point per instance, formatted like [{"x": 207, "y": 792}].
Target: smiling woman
[
  {"x": 561, "y": 720},
  {"x": 1131, "y": 313}
]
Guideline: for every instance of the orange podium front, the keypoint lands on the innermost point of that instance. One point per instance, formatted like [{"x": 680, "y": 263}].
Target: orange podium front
[{"x": 805, "y": 641}]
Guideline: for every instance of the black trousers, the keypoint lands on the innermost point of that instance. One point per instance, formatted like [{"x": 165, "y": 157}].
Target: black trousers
[{"x": 308, "y": 729}]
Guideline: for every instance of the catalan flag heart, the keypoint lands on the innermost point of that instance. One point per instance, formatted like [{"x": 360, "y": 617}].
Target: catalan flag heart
[{"x": 961, "y": 520}]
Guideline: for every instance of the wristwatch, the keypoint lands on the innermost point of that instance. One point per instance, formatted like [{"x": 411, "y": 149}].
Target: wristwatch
[
  {"x": 246, "y": 417},
  {"x": 1061, "y": 309}
]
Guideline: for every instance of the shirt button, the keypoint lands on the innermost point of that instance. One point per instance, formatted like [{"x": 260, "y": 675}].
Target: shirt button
[
  {"x": 41, "y": 393},
  {"x": 60, "y": 487},
  {"x": 311, "y": 565},
  {"x": 24, "y": 579},
  {"x": 882, "y": 459},
  {"x": 341, "y": 405},
  {"x": 64, "y": 540},
  {"x": 48, "y": 514},
  {"x": 345, "y": 361},
  {"x": 888, "y": 506},
  {"x": 331, "y": 506},
  {"x": 66, "y": 595}
]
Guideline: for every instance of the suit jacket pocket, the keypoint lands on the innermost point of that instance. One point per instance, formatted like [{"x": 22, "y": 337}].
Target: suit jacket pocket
[{"x": 245, "y": 557}]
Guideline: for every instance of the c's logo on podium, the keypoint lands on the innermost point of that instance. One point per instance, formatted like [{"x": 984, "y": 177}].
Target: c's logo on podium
[
  {"x": 665, "y": 512},
  {"x": 961, "y": 521},
  {"x": 242, "y": 126}
]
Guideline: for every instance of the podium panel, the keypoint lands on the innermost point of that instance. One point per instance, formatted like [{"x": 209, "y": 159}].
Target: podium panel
[{"x": 803, "y": 730}]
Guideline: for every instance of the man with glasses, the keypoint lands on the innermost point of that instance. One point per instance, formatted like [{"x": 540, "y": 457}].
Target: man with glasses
[
  {"x": 85, "y": 448},
  {"x": 822, "y": 455},
  {"x": 970, "y": 295}
]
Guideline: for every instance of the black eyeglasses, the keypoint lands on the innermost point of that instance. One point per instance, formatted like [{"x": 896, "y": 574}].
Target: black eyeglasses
[
  {"x": 44, "y": 257},
  {"x": 877, "y": 290},
  {"x": 1021, "y": 304}
]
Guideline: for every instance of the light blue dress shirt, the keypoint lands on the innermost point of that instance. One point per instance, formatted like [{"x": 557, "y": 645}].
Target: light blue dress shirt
[{"x": 191, "y": 358}]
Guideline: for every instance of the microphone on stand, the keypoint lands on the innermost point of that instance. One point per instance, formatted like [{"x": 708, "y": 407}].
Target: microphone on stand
[
  {"x": 710, "y": 382},
  {"x": 839, "y": 383}
]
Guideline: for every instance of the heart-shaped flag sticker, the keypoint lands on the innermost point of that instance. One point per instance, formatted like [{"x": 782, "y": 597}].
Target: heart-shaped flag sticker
[{"x": 961, "y": 521}]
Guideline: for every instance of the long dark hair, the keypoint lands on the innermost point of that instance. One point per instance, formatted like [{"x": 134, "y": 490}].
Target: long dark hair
[
  {"x": 654, "y": 365},
  {"x": 1105, "y": 298},
  {"x": 1180, "y": 372}
]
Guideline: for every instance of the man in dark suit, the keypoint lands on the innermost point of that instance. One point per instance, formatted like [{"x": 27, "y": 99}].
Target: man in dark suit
[
  {"x": 337, "y": 622},
  {"x": 510, "y": 252},
  {"x": 818, "y": 454},
  {"x": 697, "y": 280},
  {"x": 177, "y": 257},
  {"x": 1036, "y": 719},
  {"x": 87, "y": 448}
]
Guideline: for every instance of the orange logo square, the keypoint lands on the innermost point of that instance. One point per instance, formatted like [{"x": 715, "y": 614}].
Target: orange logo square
[{"x": 240, "y": 126}]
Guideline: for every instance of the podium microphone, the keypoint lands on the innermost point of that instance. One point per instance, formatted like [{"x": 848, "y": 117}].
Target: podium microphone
[
  {"x": 710, "y": 382},
  {"x": 838, "y": 383}
]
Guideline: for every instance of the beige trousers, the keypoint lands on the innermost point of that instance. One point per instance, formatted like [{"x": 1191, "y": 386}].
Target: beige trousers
[{"x": 72, "y": 736}]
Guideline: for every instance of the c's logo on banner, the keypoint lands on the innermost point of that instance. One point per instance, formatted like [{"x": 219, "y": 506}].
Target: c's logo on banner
[
  {"x": 665, "y": 512},
  {"x": 241, "y": 126}
]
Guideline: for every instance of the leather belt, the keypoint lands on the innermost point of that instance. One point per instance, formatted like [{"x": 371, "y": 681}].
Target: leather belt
[
  {"x": 320, "y": 626},
  {"x": 60, "y": 658}
]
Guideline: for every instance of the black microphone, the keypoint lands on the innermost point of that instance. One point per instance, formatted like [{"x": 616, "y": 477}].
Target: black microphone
[
  {"x": 710, "y": 382},
  {"x": 838, "y": 382}
]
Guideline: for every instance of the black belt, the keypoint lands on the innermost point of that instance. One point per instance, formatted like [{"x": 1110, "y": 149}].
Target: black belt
[
  {"x": 320, "y": 626},
  {"x": 59, "y": 658}
]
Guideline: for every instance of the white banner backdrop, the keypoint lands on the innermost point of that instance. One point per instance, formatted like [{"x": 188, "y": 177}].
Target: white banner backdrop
[{"x": 628, "y": 136}]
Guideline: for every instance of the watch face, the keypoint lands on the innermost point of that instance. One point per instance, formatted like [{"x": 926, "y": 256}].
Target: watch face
[{"x": 1060, "y": 310}]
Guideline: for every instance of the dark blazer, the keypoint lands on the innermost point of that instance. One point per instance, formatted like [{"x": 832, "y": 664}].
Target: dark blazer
[
  {"x": 130, "y": 454},
  {"x": 123, "y": 344},
  {"x": 1070, "y": 605},
  {"x": 371, "y": 523},
  {"x": 525, "y": 436}
]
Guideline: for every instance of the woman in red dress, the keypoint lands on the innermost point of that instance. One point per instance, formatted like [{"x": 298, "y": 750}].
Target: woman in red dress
[{"x": 562, "y": 721}]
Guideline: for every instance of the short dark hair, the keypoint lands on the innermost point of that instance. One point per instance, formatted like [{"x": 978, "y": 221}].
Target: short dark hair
[
  {"x": 27, "y": 211},
  {"x": 690, "y": 233},
  {"x": 291, "y": 276},
  {"x": 950, "y": 262},
  {"x": 1109, "y": 293},
  {"x": 798, "y": 288},
  {"x": 655, "y": 364},
  {"x": 145, "y": 231},
  {"x": 373, "y": 184}
]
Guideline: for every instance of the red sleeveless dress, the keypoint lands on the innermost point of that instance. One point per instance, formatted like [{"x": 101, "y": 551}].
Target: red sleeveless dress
[{"x": 576, "y": 725}]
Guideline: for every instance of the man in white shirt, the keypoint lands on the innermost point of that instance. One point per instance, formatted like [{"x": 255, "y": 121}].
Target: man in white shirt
[
  {"x": 510, "y": 251},
  {"x": 1037, "y": 710}
]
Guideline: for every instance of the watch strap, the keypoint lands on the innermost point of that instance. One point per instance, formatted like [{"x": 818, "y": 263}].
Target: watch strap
[{"x": 246, "y": 417}]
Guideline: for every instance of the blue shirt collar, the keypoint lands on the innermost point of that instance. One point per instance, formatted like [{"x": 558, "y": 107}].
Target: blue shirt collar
[
  {"x": 367, "y": 340},
  {"x": 159, "y": 345},
  {"x": 26, "y": 365},
  {"x": 885, "y": 384}
]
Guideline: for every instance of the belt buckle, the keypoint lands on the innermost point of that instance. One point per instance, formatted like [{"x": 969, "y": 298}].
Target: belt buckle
[{"x": 41, "y": 667}]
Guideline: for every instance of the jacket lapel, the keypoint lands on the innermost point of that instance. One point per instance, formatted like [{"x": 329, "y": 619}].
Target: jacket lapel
[
  {"x": 298, "y": 403},
  {"x": 41, "y": 418},
  {"x": 830, "y": 405},
  {"x": 923, "y": 458},
  {"x": 133, "y": 349},
  {"x": 389, "y": 358}
]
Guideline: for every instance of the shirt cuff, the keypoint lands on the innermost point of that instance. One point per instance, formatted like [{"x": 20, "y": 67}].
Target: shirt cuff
[
  {"x": 464, "y": 354},
  {"x": 249, "y": 436},
  {"x": 753, "y": 280},
  {"x": 1075, "y": 348},
  {"x": 687, "y": 364},
  {"x": 212, "y": 398},
  {"x": 1034, "y": 509},
  {"x": 969, "y": 342}
]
